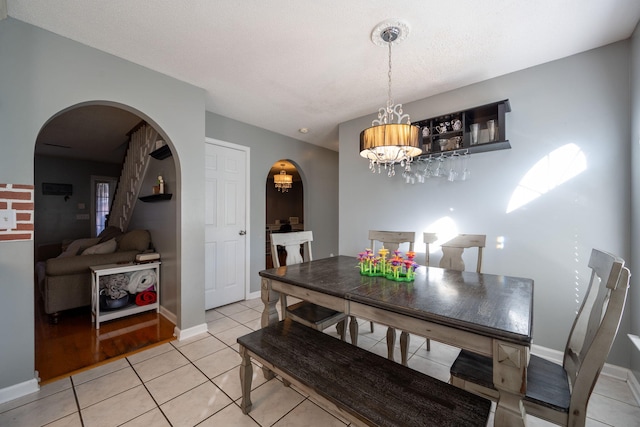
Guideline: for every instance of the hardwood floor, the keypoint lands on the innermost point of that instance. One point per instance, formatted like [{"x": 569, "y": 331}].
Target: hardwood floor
[{"x": 73, "y": 344}]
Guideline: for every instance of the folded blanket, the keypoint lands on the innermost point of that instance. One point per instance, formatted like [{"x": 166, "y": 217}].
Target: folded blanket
[
  {"x": 141, "y": 280},
  {"x": 114, "y": 285},
  {"x": 146, "y": 297}
]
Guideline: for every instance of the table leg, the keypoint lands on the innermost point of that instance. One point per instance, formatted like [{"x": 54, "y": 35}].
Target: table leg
[
  {"x": 269, "y": 314},
  {"x": 269, "y": 299},
  {"x": 391, "y": 342},
  {"x": 404, "y": 347},
  {"x": 353, "y": 330},
  {"x": 246, "y": 375},
  {"x": 509, "y": 377}
]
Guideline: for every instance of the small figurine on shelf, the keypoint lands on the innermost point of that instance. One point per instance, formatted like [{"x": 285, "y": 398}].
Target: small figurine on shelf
[{"x": 160, "y": 185}]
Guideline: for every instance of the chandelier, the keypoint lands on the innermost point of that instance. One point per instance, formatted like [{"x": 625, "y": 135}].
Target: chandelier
[
  {"x": 389, "y": 141},
  {"x": 282, "y": 180}
]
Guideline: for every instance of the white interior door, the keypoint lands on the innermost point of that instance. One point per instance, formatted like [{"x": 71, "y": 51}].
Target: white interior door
[{"x": 225, "y": 224}]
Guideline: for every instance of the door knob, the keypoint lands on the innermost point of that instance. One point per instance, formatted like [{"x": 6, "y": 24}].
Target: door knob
[{"x": 242, "y": 232}]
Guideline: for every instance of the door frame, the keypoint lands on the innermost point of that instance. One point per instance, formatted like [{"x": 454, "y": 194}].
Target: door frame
[{"x": 247, "y": 192}]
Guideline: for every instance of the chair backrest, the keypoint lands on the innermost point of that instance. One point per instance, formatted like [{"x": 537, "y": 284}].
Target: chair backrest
[
  {"x": 595, "y": 326},
  {"x": 391, "y": 239},
  {"x": 452, "y": 250},
  {"x": 428, "y": 239},
  {"x": 291, "y": 243}
]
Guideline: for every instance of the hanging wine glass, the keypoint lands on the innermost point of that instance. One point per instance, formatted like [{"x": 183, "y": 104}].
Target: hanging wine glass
[
  {"x": 441, "y": 170},
  {"x": 428, "y": 172},
  {"x": 408, "y": 175},
  {"x": 466, "y": 173},
  {"x": 420, "y": 174},
  {"x": 453, "y": 166}
]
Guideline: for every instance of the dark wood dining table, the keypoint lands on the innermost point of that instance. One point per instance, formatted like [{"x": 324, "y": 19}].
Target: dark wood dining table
[{"x": 485, "y": 313}]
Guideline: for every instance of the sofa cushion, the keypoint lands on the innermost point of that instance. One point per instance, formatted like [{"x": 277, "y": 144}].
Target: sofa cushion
[
  {"x": 77, "y": 246},
  {"x": 137, "y": 240},
  {"x": 107, "y": 247}
]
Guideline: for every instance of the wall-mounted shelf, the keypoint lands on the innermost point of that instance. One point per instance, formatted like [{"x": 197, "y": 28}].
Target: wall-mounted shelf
[
  {"x": 453, "y": 132},
  {"x": 155, "y": 198},
  {"x": 161, "y": 153}
]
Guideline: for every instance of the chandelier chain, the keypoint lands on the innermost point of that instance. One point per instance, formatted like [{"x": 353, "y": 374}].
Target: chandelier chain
[{"x": 389, "y": 97}]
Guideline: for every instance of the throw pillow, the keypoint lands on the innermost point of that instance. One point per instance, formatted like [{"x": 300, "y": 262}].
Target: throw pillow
[
  {"x": 78, "y": 246},
  {"x": 107, "y": 247},
  {"x": 137, "y": 240}
]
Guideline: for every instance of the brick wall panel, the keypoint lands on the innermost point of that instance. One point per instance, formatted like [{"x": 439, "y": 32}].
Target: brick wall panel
[{"x": 20, "y": 198}]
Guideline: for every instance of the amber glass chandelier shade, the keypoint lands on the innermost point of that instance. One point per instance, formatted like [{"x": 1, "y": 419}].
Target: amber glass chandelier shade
[
  {"x": 283, "y": 181},
  {"x": 282, "y": 178},
  {"x": 391, "y": 142}
]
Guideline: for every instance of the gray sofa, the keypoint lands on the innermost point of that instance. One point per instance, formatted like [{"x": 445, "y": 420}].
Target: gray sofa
[{"x": 66, "y": 281}]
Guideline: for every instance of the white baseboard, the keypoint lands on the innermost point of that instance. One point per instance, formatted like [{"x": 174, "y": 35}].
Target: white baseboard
[
  {"x": 555, "y": 356},
  {"x": 253, "y": 295},
  {"x": 183, "y": 334},
  {"x": 634, "y": 386},
  {"x": 171, "y": 317},
  {"x": 18, "y": 390}
]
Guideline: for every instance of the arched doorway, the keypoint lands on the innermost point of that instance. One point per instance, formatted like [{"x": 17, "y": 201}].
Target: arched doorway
[
  {"x": 284, "y": 202},
  {"x": 74, "y": 147}
]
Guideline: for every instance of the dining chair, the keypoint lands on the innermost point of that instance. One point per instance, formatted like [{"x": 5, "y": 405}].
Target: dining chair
[
  {"x": 452, "y": 251},
  {"x": 560, "y": 393},
  {"x": 452, "y": 255},
  {"x": 391, "y": 240},
  {"x": 309, "y": 314},
  {"x": 428, "y": 239}
]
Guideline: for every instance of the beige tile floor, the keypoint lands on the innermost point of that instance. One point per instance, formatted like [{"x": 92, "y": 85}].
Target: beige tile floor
[{"x": 196, "y": 382}]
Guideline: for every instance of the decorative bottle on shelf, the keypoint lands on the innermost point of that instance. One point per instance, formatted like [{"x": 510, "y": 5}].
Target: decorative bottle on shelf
[{"x": 161, "y": 184}]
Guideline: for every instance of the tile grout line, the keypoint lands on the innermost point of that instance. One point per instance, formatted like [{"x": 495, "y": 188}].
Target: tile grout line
[
  {"x": 144, "y": 384},
  {"x": 75, "y": 396}
]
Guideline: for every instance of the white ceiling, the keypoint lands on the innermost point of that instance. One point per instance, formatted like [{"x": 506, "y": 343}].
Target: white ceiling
[{"x": 284, "y": 65}]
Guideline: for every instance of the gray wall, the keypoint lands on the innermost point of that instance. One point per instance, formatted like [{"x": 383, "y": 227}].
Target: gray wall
[
  {"x": 318, "y": 168},
  {"x": 582, "y": 100},
  {"x": 634, "y": 292},
  {"x": 42, "y": 74},
  {"x": 160, "y": 218},
  {"x": 55, "y": 217}
]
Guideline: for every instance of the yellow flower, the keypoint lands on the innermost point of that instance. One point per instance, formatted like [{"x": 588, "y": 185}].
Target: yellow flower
[{"x": 383, "y": 252}]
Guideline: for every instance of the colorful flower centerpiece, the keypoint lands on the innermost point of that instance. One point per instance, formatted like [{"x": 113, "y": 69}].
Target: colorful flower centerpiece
[{"x": 396, "y": 268}]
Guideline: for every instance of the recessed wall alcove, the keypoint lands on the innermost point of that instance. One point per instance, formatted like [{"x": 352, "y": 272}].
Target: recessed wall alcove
[{"x": 284, "y": 208}]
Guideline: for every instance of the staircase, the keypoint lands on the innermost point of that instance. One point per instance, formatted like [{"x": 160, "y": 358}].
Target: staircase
[{"x": 134, "y": 169}]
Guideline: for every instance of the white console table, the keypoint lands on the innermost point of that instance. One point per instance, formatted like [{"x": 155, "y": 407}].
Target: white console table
[{"x": 105, "y": 270}]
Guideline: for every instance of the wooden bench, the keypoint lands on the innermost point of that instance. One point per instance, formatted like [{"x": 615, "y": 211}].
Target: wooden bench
[{"x": 363, "y": 387}]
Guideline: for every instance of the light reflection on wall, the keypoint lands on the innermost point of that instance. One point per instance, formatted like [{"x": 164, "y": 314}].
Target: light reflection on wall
[
  {"x": 552, "y": 170},
  {"x": 446, "y": 230}
]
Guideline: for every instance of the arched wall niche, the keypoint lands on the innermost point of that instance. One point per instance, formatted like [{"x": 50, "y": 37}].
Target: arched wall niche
[
  {"x": 284, "y": 209},
  {"x": 90, "y": 138}
]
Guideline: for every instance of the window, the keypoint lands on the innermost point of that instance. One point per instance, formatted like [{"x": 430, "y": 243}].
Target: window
[{"x": 102, "y": 189}]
